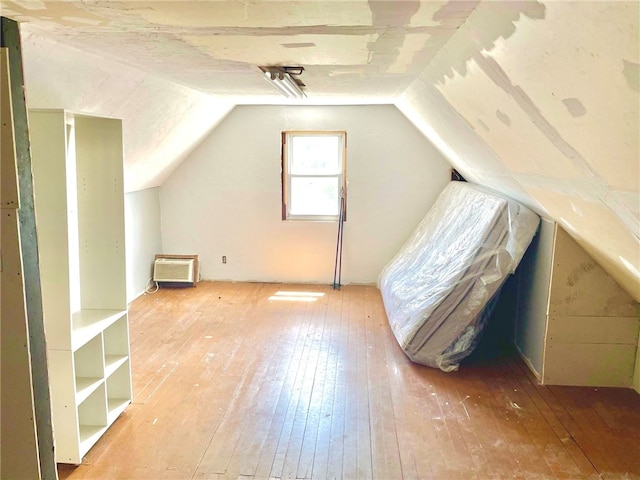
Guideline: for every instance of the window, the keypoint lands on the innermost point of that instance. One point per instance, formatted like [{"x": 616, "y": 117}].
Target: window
[{"x": 313, "y": 175}]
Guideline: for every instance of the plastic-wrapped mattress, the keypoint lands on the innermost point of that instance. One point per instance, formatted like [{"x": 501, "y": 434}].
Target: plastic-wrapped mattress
[{"x": 439, "y": 289}]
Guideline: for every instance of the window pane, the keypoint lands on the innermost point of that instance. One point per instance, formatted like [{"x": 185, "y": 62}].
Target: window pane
[
  {"x": 315, "y": 155},
  {"x": 314, "y": 196}
]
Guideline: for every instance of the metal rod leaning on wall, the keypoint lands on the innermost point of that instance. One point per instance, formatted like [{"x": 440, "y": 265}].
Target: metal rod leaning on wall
[{"x": 337, "y": 270}]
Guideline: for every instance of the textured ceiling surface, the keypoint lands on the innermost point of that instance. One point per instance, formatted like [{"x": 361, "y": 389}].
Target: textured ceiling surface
[{"x": 349, "y": 48}]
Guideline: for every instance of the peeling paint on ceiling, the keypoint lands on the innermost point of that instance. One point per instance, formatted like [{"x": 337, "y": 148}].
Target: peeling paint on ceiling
[
  {"x": 574, "y": 106},
  {"x": 348, "y": 48},
  {"x": 550, "y": 89}
]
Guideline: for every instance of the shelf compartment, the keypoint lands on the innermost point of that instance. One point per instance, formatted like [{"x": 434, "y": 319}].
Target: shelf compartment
[
  {"x": 101, "y": 231},
  {"x": 89, "y": 368},
  {"x": 112, "y": 363},
  {"x": 92, "y": 418},
  {"x": 87, "y": 324},
  {"x": 116, "y": 338},
  {"x": 89, "y": 435},
  {"x": 118, "y": 390},
  {"x": 115, "y": 407}
]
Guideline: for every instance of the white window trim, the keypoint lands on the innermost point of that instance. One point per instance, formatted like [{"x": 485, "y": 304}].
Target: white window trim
[{"x": 286, "y": 175}]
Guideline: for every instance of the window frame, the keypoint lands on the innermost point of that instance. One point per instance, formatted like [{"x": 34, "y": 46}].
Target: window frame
[{"x": 286, "y": 175}]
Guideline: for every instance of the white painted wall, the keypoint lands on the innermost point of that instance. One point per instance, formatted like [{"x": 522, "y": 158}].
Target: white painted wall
[
  {"x": 541, "y": 101},
  {"x": 161, "y": 120},
  {"x": 225, "y": 198},
  {"x": 142, "y": 227}
]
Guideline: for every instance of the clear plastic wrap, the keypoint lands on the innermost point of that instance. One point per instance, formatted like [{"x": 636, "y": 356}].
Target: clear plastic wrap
[{"x": 439, "y": 289}]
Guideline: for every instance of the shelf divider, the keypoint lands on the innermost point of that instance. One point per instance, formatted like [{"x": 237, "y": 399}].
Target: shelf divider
[
  {"x": 85, "y": 386},
  {"x": 112, "y": 363}
]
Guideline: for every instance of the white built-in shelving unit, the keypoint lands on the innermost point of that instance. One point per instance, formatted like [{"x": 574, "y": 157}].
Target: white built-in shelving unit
[{"x": 79, "y": 201}]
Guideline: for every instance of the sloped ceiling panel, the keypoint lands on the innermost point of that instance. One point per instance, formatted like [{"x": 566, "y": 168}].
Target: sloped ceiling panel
[
  {"x": 162, "y": 121},
  {"x": 548, "y": 96}
]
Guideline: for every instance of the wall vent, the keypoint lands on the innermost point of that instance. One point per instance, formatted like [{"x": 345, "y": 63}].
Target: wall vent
[{"x": 178, "y": 270}]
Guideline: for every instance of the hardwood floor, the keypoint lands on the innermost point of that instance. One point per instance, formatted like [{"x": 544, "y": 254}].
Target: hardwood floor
[{"x": 230, "y": 384}]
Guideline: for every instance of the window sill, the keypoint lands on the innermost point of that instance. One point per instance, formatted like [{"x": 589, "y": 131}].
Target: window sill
[{"x": 314, "y": 218}]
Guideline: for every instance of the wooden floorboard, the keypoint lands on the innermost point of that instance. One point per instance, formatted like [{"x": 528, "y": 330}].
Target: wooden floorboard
[{"x": 229, "y": 384}]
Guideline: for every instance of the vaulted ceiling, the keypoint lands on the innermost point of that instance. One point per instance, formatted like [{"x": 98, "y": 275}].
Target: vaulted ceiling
[{"x": 537, "y": 99}]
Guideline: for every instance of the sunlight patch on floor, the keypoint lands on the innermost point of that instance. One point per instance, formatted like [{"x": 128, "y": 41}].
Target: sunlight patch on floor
[{"x": 296, "y": 296}]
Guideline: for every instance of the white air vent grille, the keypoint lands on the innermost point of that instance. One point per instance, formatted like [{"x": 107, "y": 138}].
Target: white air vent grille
[{"x": 174, "y": 270}]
